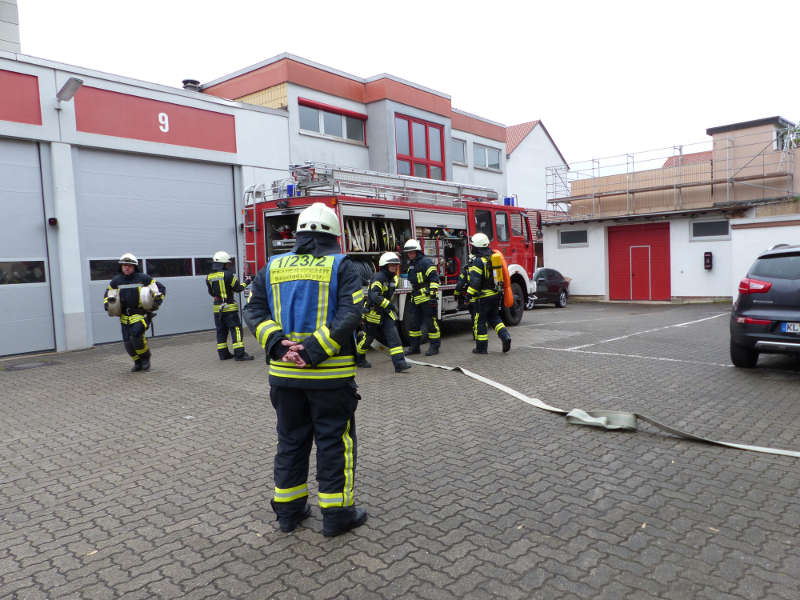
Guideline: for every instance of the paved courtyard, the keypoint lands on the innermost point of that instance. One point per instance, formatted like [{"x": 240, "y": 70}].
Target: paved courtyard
[{"x": 157, "y": 485}]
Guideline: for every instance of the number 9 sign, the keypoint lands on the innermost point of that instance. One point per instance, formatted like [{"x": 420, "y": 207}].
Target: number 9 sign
[{"x": 163, "y": 120}]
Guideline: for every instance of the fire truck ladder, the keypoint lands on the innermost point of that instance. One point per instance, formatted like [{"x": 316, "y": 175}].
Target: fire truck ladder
[
  {"x": 320, "y": 179},
  {"x": 252, "y": 195}
]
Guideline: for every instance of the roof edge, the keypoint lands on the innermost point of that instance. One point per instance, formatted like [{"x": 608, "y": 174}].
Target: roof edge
[{"x": 776, "y": 120}]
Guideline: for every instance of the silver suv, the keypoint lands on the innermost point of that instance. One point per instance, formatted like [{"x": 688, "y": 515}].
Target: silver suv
[{"x": 766, "y": 315}]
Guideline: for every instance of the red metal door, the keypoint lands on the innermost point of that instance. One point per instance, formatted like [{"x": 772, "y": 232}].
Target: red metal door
[
  {"x": 638, "y": 262},
  {"x": 640, "y": 273}
]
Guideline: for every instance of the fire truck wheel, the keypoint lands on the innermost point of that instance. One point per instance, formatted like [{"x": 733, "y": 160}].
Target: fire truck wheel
[{"x": 512, "y": 315}]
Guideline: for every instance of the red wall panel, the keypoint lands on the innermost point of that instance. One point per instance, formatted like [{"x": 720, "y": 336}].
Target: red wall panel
[
  {"x": 629, "y": 247},
  {"x": 123, "y": 115},
  {"x": 19, "y": 98}
]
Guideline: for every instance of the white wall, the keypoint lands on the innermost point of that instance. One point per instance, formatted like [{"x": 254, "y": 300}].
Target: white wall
[
  {"x": 310, "y": 147},
  {"x": 526, "y": 168},
  {"x": 469, "y": 174},
  {"x": 688, "y": 277},
  {"x": 587, "y": 266},
  {"x": 9, "y": 26},
  {"x": 748, "y": 243}
]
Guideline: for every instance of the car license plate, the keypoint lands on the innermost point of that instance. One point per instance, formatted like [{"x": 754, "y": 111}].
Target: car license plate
[{"x": 791, "y": 327}]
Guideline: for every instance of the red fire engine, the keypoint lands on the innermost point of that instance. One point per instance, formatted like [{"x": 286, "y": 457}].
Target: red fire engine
[{"x": 379, "y": 212}]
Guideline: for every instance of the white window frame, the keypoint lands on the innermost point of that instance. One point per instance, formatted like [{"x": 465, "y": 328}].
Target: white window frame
[
  {"x": 580, "y": 245},
  {"x": 486, "y": 167},
  {"x": 464, "y": 145},
  {"x": 708, "y": 238}
]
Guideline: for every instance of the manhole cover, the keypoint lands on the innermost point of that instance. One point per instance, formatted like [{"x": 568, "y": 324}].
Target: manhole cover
[{"x": 31, "y": 364}]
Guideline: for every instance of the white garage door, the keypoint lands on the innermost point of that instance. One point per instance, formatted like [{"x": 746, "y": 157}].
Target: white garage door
[
  {"x": 173, "y": 214},
  {"x": 26, "y": 318}
]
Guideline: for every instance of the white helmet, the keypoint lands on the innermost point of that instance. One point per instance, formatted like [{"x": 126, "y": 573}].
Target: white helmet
[
  {"x": 128, "y": 259},
  {"x": 412, "y": 245},
  {"x": 388, "y": 258},
  {"x": 221, "y": 257},
  {"x": 480, "y": 240},
  {"x": 318, "y": 218}
]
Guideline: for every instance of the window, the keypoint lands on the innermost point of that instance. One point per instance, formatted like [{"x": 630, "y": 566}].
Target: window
[
  {"x": 486, "y": 157},
  {"x": 501, "y": 224},
  {"x": 458, "y": 151},
  {"x": 202, "y": 266},
  {"x": 483, "y": 223},
  {"x": 331, "y": 121},
  {"x": 103, "y": 270},
  {"x": 781, "y": 266},
  {"x": 169, "y": 267},
  {"x": 574, "y": 237},
  {"x": 23, "y": 271},
  {"x": 710, "y": 229},
  {"x": 420, "y": 150},
  {"x": 516, "y": 225}
]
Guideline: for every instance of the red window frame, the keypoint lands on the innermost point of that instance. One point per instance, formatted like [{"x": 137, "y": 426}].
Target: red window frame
[
  {"x": 410, "y": 158},
  {"x": 336, "y": 110}
]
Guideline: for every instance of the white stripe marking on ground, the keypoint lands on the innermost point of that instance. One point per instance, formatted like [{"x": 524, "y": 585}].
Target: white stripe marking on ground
[
  {"x": 642, "y": 356},
  {"x": 624, "y": 337}
]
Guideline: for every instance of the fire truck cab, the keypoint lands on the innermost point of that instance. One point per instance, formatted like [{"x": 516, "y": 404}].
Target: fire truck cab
[{"x": 379, "y": 212}]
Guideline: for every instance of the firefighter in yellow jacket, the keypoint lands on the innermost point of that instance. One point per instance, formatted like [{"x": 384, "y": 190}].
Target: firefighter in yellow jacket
[
  {"x": 482, "y": 292},
  {"x": 223, "y": 286},
  {"x": 304, "y": 310},
  {"x": 424, "y": 299}
]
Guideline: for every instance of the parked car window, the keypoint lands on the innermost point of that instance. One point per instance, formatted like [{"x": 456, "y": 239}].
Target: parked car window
[{"x": 783, "y": 266}]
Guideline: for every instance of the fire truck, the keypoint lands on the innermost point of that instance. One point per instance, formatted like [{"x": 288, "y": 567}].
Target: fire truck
[{"x": 378, "y": 212}]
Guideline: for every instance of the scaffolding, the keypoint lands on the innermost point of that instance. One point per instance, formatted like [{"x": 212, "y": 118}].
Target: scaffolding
[{"x": 733, "y": 168}]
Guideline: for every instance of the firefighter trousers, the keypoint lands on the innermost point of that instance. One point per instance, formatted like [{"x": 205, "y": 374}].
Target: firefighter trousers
[
  {"x": 229, "y": 322},
  {"x": 134, "y": 329},
  {"x": 325, "y": 417},
  {"x": 423, "y": 317},
  {"x": 487, "y": 312},
  {"x": 387, "y": 327}
]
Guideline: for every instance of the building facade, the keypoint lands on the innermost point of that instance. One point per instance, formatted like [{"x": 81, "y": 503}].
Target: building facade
[
  {"x": 93, "y": 165},
  {"x": 676, "y": 226}
]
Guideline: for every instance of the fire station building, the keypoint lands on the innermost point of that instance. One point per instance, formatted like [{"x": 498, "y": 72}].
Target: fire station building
[{"x": 93, "y": 165}]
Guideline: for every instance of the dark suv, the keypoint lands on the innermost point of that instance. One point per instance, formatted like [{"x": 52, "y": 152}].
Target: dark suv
[{"x": 766, "y": 315}]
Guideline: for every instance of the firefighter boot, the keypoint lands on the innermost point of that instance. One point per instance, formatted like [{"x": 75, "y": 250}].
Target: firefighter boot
[
  {"x": 432, "y": 349},
  {"x": 413, "y": 350},
  {"x": 362, "y": 362},
  {"x": 225, "y": 354},
  {"x": 400, "y": 363},
  {"x": 146, "y": 361},
  {"x": 505, "y": 337},
  {"x": 243, "y": 356},
  {"x": 481, "y": 347},
  {"x": 288, "y": 520},
  {"x": 336, "y": 521},
  {"x": 137, "y": 366}
]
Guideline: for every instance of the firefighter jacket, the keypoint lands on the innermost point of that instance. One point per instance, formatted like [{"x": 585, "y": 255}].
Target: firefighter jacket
[
  {"x": 379, "y": 297},
  {"x": 424, "y": 279},
  {"x": 129, "y": 295},
  {"x": 311, "y": 296},
  {"x": 222, "y": 286},
  {"x": 481, "y": 277}
]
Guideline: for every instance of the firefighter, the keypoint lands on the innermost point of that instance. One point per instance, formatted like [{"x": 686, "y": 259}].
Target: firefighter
[
  {"x": 222, "y": 285},
  {"x": 134, "y": 297},
  {"x": 460, "y": 291},
  {"x": 424, "y": 280},
  {"x": 304, "y": 310},
  {"x": 381, "y": 314},
  {"x": 483, "y": 293}
]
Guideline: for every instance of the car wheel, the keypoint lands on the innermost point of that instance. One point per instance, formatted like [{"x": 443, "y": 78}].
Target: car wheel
[
  {"x": 743, "y": 357},
  {"x": 561, "y": 301},
  {"x": 512, "y": 315}
]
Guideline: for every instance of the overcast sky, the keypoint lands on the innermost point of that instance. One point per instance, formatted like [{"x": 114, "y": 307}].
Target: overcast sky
[{"x": 606, "y": 77}]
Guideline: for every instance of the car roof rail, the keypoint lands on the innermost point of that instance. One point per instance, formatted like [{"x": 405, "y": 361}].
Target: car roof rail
[{"x": 776, "y": 246}]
